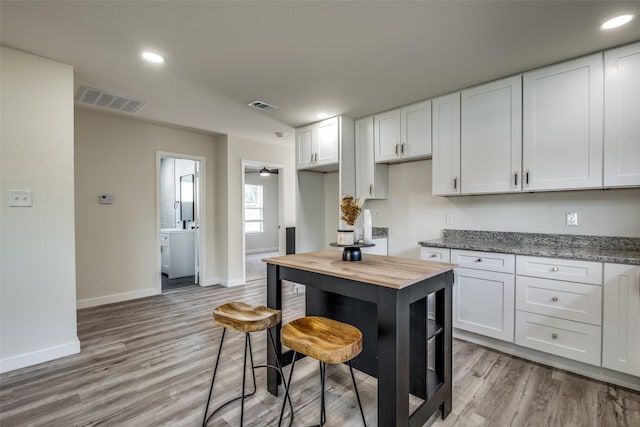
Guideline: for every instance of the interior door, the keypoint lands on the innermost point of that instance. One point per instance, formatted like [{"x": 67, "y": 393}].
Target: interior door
[{"x": 196, "y": 217}]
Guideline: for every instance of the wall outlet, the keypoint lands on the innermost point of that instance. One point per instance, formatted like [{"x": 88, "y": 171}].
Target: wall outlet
[
  {"x": 448, "y": 218},
  {"x": 298, "y": 289},
  {"x": 22, "y": 198},
  {"x": 378, "y": 217},
  {"x": 572, "y": 219}
]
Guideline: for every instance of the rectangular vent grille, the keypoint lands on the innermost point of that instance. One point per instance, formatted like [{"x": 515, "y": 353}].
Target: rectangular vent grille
[
  {"x": 100, "y": 98},
  {"x": 261, "y": 105}
]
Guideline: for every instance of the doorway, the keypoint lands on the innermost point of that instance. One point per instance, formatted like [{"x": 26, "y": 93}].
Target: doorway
[
  {"x": 262, "y": 216},
  {"x": 179, "y": 216}
]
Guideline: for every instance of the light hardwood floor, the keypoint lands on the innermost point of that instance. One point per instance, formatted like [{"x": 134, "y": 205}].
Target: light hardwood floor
[{"x": 148, "y": 362}]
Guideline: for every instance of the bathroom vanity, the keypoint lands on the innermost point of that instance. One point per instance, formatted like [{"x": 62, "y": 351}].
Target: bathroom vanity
[{"x": 178, "y": 252}]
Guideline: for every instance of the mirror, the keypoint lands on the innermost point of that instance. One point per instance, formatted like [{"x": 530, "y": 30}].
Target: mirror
[{"x": 186, "y": 197}]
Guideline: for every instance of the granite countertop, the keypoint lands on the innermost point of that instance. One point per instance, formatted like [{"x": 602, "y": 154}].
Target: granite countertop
[{"x": 617, "y": 250}]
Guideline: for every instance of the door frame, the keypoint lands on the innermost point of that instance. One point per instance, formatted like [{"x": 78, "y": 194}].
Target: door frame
[
  {"x": 200, "y": 186},
  {"x": 281, "y": 220}
]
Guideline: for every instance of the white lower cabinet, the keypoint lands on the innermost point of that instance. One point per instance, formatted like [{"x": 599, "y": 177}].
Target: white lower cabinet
[
  {"x": 483, "y": 293},
  {"x": 483, "y": 302},
  {"x": 558, "y": 307},
  {"x": 573, "y": 340},
  {"x": 621, "y": 318}
]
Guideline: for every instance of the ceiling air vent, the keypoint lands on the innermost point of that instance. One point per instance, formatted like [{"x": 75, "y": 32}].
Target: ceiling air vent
[
  {"x": 261, "y": 105},
  {"x": 100, "y": 98}
]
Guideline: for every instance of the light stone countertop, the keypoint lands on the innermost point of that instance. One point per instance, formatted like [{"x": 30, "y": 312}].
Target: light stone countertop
[{"x": 617, "y": 250}]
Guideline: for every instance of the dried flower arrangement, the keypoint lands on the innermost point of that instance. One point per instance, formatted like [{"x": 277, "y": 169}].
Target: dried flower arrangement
[{"x": 350, "y": 208}]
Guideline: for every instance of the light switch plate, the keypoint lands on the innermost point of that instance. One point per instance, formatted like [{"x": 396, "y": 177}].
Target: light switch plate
[{"x": 20, "y": 198}]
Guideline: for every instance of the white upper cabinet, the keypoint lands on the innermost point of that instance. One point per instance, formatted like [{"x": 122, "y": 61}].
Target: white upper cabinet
[
  {"x": 403, "y": 134},
  {"x": 304, "y": 147},
  {"x": 446, "y": 145},
  {"x": 563, "y": 125},
  {"x": 621, "y": 318},
  {"x": 622, "y": 116},
  {"x": 317, "y": 145},
  {"x": 372, "y": 179},
  {"x": 492, "y": 137}
]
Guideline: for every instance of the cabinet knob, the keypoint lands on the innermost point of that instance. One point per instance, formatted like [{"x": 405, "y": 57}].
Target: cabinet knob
[
  {"x": 397, "y": 149},
  {"x": 479, "y": 260},
  {"x": 455, "y": 183},
  {"x": 371, "y": 189},
  {"x": 555, "y": 269},
  {"x": 402, "y": 148},
  {"x": 554, "y": 299},
  {"x": 554, "y": 336}
]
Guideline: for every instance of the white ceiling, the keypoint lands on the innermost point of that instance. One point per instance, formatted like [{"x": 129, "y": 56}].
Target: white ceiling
[{"x": 344, "y": 57}]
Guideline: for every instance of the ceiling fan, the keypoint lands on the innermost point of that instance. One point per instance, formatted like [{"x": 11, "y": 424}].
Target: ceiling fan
[{"x": 265, "y": 171}]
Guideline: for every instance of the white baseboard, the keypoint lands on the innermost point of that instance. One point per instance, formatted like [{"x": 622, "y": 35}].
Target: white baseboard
[
  {"x": 109, "y": 299},
  {"x": 33, "y": 358},
  {"x": 257, "y": 251},
  {"x": 591, "y": 371},
  {"x": 233, "y": 282}
]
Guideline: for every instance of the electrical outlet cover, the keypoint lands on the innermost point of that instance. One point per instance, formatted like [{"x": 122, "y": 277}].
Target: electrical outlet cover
[{"x": 572, "y": 219}]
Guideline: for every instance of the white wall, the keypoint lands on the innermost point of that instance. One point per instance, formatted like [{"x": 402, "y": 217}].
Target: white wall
[
  {"x": 239, "y": 149},
  {"x": 413, "y": 214},
  {"x": 117, "y": 243},
  {"x": 37, "y": 268},
  {"x": 268, "y": 239}
]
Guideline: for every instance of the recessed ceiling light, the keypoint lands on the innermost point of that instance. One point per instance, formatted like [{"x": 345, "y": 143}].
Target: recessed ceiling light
[
  {"x": 322, "y": 115},
  {"x": 616, "y": 22},
  {"x": 153, "y": 57}
]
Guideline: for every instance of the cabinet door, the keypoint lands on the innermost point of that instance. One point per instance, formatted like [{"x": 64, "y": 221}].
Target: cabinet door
[
  {"x": 622, "y": 117},
  {"x": 387, "y": 136},
  {"x": 483, "y": 302},
  {"x": 304, "y": 147},
  {"x": 562, "y": 125},
  {"x": 415, "y": 131},
  {"x": 446, "y": 145},
  {"x": 327, "y": 147},
  {"x": 371, "y": 178},
  {"x": 492, "y": 137},
  {"x": 621, "y": 318}
]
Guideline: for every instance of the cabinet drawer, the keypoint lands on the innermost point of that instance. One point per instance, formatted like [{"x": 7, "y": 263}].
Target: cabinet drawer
[
  {"x": 435, "y": 254},
  {"x": 573, "y": 340},
  {"x": 489, "y": 261},
  {"x": 566, "y": 300},
  {"x": 560, "y": 269}
]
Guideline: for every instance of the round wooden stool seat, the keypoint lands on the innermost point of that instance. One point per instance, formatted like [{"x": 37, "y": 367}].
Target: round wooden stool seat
[
  {"x": 326, "y": 340},
  {"x": 244, "y": 317}
]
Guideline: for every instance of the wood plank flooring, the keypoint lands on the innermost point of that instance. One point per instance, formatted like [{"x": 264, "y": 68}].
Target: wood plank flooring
[{"x": 148, "y": 362}]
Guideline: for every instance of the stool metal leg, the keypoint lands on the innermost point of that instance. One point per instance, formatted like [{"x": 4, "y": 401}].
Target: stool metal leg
[
  {"x": 286, "y": 393},
  {"x": 355, "y": 387},
  {"x": 323, "y": 414},
  {"x": 247, "y": 347},
  {"x": 244, "y": 375},
  {"x": 215, "y": 369},
  {"x": 279, "y": 367}
]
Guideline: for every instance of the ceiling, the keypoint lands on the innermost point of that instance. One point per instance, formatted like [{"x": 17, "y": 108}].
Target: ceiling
[{"x": 344, "y": 57}]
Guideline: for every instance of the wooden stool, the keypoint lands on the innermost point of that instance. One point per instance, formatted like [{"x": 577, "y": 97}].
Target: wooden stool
[
  {"x": 327, "y": 341},
  {"x": 245, "y": 318}
]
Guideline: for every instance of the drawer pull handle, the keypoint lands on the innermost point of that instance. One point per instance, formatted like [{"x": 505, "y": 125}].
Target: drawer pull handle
[
  {"x": 554, "y": 299},
  {"x": 554, "y": 336},
  {"x": 433, "y": 255},
  {"x": 555, "y": 269}
]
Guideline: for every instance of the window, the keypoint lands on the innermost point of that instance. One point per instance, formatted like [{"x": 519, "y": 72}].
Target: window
[{"x": 253, "y": 208}]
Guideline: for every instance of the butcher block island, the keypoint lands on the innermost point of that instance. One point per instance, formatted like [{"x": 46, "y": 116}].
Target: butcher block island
[{"x": 406, "y": 347}]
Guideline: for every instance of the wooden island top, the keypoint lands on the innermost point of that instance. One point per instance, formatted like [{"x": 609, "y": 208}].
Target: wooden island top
[{"x": 389, "y": 271}]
